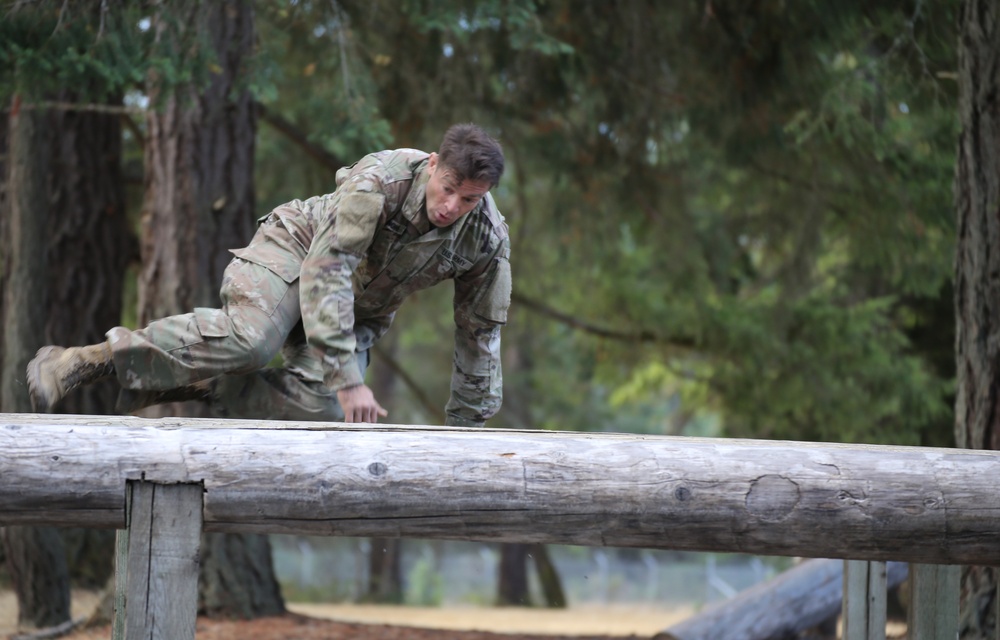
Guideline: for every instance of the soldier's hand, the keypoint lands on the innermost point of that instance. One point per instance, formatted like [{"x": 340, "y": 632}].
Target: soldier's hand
[{"x": 359, "y": 404}]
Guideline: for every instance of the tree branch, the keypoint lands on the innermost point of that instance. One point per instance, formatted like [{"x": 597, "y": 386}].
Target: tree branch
[
  {"x": 685, "y": 342},
  {"x": 296, "y": 135}
]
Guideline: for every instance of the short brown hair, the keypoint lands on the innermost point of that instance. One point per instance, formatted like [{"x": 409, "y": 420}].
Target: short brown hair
[{"x": 472, "y": 154}]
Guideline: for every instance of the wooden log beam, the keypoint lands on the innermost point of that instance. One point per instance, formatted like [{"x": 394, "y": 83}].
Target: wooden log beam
[{"x": 936, "y": 506}]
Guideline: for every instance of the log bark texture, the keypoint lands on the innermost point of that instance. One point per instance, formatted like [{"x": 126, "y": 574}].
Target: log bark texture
[{"x": 935, "y": 506}]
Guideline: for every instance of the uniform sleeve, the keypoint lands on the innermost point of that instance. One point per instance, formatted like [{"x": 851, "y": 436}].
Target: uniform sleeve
[
  {"x": 481, "y": 304},
  {"x": 350, "y": 217},
  {"x": 371, "y": 330}
]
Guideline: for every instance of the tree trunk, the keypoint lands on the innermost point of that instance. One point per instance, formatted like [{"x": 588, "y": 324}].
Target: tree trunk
[
  {"x": 548, "y": 577},
  {"x": 90, "y": 243},
  {"x": 37, "y": 565},
  {"x": 199, "y": 202},
  {"x": 25, "y": 239},
  {"x": 237, "y": 577},
  {"x": 385, "y": 573},
  {"x": 977, "y": 261},
  {"x": 199, "y": 171},
  {"x": 90, "y": 246},
  {"x": 512, "y": 585},
  {"x": 36, "y": 559}
]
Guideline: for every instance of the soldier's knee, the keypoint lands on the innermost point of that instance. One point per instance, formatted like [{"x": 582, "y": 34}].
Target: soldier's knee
[{"x": 260, "y": 338}]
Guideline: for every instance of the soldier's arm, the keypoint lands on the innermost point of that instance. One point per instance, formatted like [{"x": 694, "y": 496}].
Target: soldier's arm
[
  {"x": 370, "y": 330},
  {"x": 327, "y": 300},
  {"x": 481, "y": 303}
]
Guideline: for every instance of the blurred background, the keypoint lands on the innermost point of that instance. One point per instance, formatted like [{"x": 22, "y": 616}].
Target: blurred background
[{"x": 728, "y": 218}]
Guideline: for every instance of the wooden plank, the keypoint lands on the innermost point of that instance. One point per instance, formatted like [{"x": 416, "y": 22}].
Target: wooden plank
[
  {"x": 864, "y": 607},
  {"x": 928, "y": 505},
  {"x": 163, "y": 547},
  {"x": 121, "y": 573},
  {"x": 934, "y": 597}
]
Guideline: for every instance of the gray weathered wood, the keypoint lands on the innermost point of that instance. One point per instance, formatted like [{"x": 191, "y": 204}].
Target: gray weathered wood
[
  {"x": 933, "y": 610},
  {"x": 798, "y": 599},
  {"x": 864, "y": 608},
  {"x": 165, "y": 524},
  {"x": 927, "y": 505},
  {"x": 121, "y": 564}
]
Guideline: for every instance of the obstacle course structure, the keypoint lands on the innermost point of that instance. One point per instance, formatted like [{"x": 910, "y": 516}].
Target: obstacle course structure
[{"x": 164, "y": 481}]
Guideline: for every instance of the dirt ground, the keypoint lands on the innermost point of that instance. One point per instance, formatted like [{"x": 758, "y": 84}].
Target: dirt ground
[{"x": 376, "y": 622}]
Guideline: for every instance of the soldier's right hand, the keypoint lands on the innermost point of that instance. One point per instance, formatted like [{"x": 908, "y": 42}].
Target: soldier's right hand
[{"x": 359, "y": 404}]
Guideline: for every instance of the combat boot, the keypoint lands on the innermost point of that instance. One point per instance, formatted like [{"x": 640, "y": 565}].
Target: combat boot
[
  {"x": 132, "y": 400},
  {"x": 55, "y": 371}
]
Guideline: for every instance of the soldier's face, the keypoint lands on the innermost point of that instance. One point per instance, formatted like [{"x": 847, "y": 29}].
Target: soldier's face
[{"x": 449, "y": 198}]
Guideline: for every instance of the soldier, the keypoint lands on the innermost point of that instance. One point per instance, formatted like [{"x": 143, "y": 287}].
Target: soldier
[{"x": 321, "y": 281}]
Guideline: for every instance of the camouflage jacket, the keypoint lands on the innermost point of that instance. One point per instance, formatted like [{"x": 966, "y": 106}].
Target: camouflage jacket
[{"x": 370, "y": 245}]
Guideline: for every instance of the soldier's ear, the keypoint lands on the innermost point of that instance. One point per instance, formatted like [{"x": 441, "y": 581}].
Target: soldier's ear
[{"x": 432, "y": 162}]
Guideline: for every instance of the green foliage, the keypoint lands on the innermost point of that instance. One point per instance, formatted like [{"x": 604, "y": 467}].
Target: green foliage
[
  {"x": 99, "y": 51},
  {"x": 47, "y": 47},
  {"x": 425, "y": 586},
  {"x": 764, "y": 190}
]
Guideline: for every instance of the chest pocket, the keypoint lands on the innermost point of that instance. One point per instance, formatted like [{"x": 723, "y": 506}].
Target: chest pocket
[
  {"x": 383, "y": 247},
  {"x": 420, "y": 264}
]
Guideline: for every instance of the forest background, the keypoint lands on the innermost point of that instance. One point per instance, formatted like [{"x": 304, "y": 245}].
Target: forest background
[{"x": 728, "y": 218}]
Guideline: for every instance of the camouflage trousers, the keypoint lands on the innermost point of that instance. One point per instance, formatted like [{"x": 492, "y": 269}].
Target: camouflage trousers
[{"x": 231, "y": 347}]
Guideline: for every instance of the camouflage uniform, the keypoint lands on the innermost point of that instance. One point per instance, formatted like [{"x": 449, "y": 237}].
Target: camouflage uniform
[{"x": 321, "y": 281}]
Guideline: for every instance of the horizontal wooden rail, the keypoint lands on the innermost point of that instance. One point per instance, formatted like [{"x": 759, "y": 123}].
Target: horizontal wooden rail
[{"x": 938, "y": 506}]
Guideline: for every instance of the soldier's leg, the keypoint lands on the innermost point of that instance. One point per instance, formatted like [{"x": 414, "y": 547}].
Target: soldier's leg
[
  {"x": 278, "y": 394},
  {"x": 259, "y": 310},
  {"x": 55, "y": 371},
  {"x": 268, "y": 394}
]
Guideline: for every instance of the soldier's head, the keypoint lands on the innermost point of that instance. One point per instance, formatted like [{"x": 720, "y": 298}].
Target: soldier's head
[{"x": 467, "y": 165}]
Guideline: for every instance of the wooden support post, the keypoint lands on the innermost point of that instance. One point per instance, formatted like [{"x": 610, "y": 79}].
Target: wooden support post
[
  {"x": 934, "y": 595},
  {"x": 864, "y": 608},
  {"x": 161, "y": 577},
  {"x": 121, "y": 562}
]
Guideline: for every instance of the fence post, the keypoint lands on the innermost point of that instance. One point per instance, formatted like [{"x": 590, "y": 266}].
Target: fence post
[
  {"x": 864, "y": 608},
  {"x": 161, "y": 573},
  {"x": 121, "y": 562},
  {"x": 934, "y": 595}
]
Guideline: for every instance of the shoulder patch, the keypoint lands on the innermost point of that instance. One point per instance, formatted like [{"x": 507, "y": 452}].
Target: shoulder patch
[
  {"x": 401, "y": 164},
  {"x": 357, "y": 218}
]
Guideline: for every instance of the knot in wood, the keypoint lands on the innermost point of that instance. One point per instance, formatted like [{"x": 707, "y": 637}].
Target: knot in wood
[
  {"x": 377, "y": 469},
  {"x": 772, "y": 497}
]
